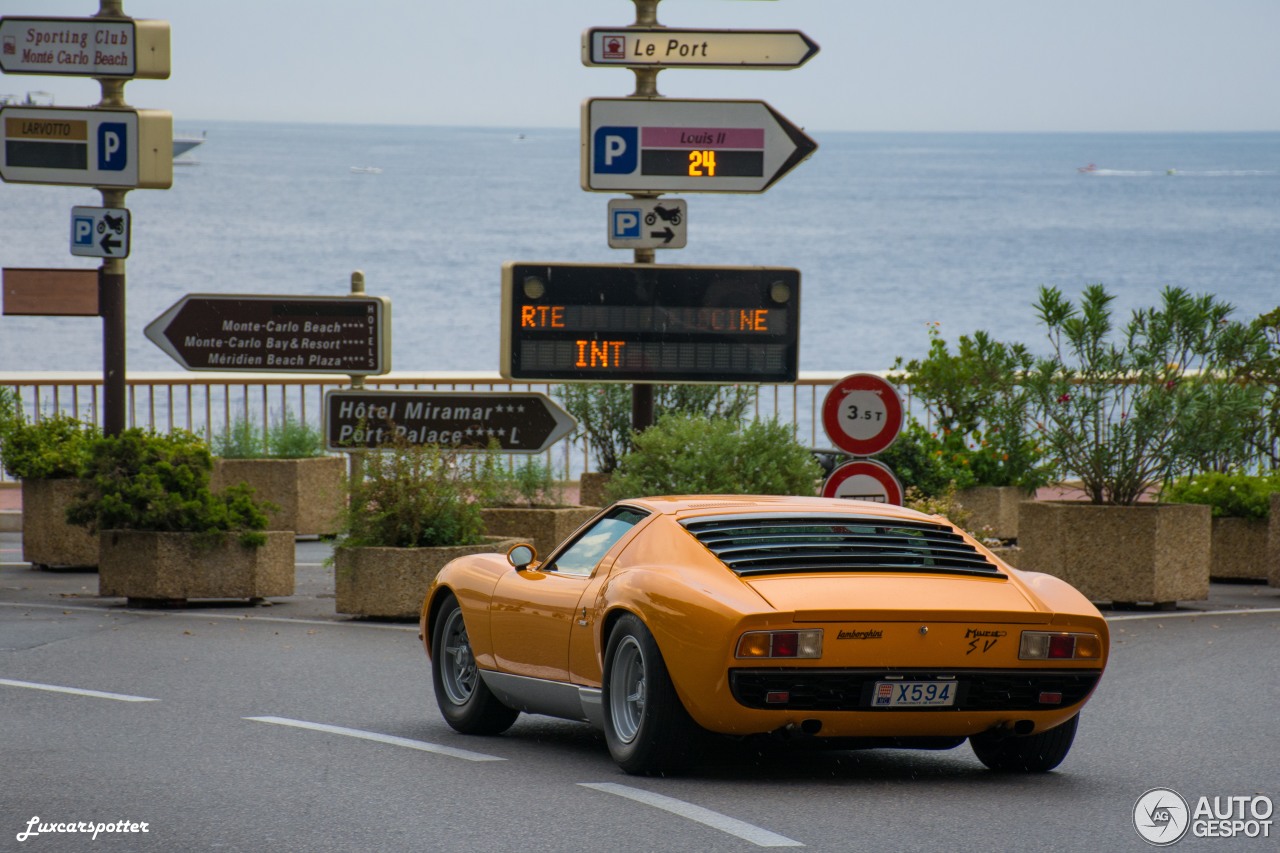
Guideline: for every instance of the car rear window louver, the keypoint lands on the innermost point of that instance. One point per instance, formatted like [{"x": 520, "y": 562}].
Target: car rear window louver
[{"x": 782, "y": 544}]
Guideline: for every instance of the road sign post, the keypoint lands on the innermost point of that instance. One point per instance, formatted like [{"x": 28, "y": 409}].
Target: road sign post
[
  {"x": 668, "y": 145},
  {"x": 650, "y": 323},
  {"x": 517, "y": 422},
  {"x": 111, "y": 147},
  {"x": 284, "y": 334}
]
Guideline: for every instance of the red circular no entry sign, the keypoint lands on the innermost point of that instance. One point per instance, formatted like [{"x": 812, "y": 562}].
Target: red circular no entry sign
[
  {"x": 863, "y": 480},
  {"x": 862, "y": 414}
]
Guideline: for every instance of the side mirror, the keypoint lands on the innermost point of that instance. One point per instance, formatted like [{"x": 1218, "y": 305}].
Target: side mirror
[{"x": 521, "y": 556}]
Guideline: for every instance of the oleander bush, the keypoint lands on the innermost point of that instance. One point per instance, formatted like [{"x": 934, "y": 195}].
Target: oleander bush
[{"x": 978, "y": 409}]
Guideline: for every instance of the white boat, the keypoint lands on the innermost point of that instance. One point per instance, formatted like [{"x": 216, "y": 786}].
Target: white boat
[{"x": 183, "y": 144}]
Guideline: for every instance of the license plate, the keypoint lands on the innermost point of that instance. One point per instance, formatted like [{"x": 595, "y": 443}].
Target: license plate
[{"x": 914, "y": 694}]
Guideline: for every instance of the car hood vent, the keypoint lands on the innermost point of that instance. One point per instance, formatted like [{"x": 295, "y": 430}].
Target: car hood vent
[{"x": 784, "y": 543}]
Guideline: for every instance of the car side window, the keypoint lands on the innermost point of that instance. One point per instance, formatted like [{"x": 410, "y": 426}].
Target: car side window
[{"x": 589, "y": 549}]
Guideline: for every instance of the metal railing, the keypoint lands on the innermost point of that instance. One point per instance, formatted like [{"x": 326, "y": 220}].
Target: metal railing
[{"x": 209, "y": 403}]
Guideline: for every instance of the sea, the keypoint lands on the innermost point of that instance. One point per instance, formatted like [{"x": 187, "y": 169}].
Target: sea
[{"x": 891, "y": 232}]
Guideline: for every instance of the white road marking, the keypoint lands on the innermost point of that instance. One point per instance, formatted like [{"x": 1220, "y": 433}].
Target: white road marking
[
  {"x": 420, "y": 745},
  {"x": 76, "y": 691},
  {"x": 706, "y": 817},
  {"x": 1184, "y": 613}
]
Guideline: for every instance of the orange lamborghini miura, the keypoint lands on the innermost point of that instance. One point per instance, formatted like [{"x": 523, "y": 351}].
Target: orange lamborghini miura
[{"x": 843, "y": 622}]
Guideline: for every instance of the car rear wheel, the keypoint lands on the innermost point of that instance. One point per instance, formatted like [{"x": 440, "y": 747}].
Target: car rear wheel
[
  {"x": 1038, "y": 753},
  {"x": 645, "y": 724},
  {"x": 466, "y": 703}
]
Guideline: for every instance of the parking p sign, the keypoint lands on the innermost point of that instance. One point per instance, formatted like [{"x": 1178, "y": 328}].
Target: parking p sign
[{"x": 100, "y": 232}]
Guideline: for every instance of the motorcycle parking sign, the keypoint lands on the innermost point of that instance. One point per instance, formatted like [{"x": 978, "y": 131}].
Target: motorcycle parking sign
[
  {"x": 648, "y": 223},
  {"x": 100, "y": 232}
]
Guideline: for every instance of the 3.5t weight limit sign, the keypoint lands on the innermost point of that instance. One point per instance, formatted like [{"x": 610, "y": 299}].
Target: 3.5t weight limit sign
[{"x": 862, "y": 414}]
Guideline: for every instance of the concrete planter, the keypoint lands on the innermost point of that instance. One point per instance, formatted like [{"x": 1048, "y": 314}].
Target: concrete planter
[
  {"x": 47, "y": 539},
  {"x": 391, "y": 583},
  {"x": 591, "y": 488},
  {"x": 1273, "y": 543},
  {"x": 308, "y": 492},
  {"x": 151, "y": 567},
  {"x": 543, "y": 527},
  {"x": 993, "y": 510},
  {"x": 1155, "y": 553},
  {"x": 1238, "y": 550}
]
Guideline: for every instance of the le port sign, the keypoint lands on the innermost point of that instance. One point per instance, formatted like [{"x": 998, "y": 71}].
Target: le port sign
[
  {"x": 668, "y": 145},
  {"x": 638, "y": 47},
  {"x": 516, "y": 422},
  {"x": 85, "y": 47},
  {"x": 285, "y": 334}
]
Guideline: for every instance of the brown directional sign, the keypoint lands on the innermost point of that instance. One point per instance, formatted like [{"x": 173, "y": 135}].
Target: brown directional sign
[
  {"x": 285, "y": 334},
  {"x": 520, "y": 422}
]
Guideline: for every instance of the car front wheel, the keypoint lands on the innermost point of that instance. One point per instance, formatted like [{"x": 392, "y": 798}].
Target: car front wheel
[
  {"x": 645, "y": 724},
  {"x": 466, "y": 703},
  {"x": 1038, "y": 753}
]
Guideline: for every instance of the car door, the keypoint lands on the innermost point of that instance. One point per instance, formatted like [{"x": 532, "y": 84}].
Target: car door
[{"x": 534, "y": 612}]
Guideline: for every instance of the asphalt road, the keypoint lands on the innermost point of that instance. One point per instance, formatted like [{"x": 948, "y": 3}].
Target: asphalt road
[{"x": 287, "y": 728}]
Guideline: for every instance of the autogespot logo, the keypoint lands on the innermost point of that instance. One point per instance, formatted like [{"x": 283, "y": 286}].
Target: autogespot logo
[{"x": 1161, "y": 816}]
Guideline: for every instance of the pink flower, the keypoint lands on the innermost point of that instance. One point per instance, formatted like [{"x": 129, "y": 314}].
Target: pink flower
[{"x": 1065, "y": 398}]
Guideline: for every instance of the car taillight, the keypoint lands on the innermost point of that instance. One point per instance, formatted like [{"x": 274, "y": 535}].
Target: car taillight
[
  {"x": 781, "y": 644},
  {"x": 1053, "y": 645}
]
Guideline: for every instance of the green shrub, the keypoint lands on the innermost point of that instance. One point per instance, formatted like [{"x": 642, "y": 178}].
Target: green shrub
[
  {"x": 140, "y": 480},
  {"x": 1232, "y": 495},
  {"x": 603, "y": 411},
  {"x": 418, "y": 496},
  {"x": 54, "y": 447},
  {"x": 532, "y": 483},
  {"x": 690, "y": 454},
  {"x": 288, "y": 437},
  {"x": 923, "y": 461},
  {"x": 977, "y": 404}
]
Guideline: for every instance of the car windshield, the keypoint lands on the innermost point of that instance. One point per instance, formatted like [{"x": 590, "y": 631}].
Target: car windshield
[{"x": 582, "y": 556}]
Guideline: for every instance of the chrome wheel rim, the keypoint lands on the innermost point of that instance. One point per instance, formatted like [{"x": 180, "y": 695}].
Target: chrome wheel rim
[
  {"x": 457, "y": 664},
  {"x": 627, "y": 690}
]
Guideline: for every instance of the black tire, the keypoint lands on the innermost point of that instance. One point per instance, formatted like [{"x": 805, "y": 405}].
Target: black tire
[
  {"x": 1038, "y": 753},
  {"x": 466, "y": 703},
  {"x": 646, "y": 726}
]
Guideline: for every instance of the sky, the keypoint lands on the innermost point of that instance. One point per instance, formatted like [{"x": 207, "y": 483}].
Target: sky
[{"x": 885, "y": 65}]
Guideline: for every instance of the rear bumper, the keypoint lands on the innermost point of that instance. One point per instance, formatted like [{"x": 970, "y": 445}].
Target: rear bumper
[{"x": 855, "y": 689}]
